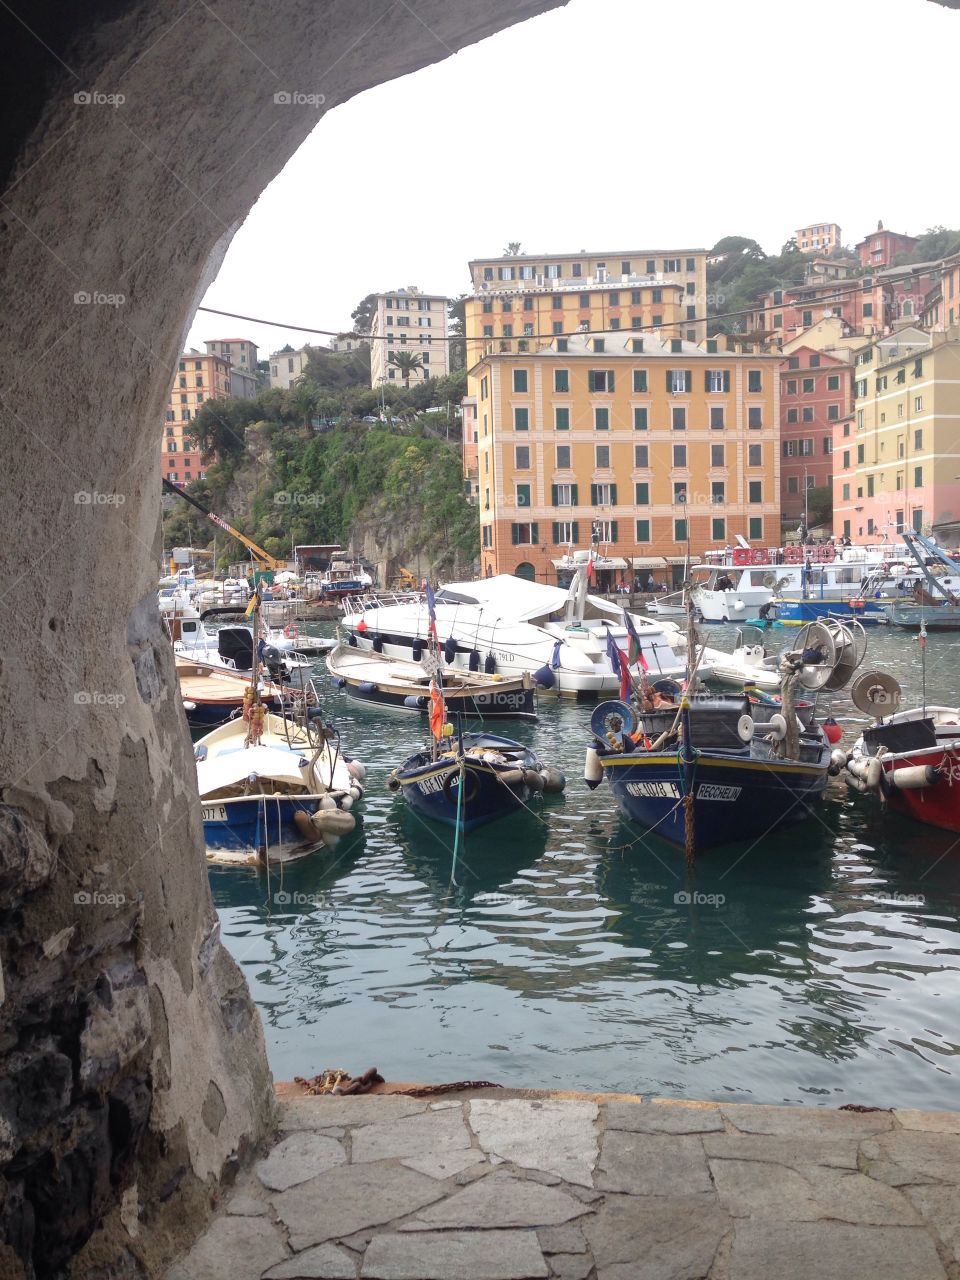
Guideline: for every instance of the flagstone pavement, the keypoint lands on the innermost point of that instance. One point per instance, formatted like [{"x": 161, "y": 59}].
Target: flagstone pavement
[{"x": 504, "y": 1185}]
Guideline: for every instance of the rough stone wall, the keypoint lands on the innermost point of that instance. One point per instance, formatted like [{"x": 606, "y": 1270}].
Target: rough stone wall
[{"x": 133, "y": 1075}]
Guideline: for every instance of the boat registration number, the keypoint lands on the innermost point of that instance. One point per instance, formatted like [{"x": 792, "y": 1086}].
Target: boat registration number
[
  {"x": 663, "y": 790},
  {"x": 714, "y": 791},
  {"x": 215, "y": 812},
  {"x": 430, "y": 786}
]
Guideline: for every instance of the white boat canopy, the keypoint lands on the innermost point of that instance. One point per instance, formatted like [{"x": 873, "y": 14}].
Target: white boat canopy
[{"x": 228, "y": 768}]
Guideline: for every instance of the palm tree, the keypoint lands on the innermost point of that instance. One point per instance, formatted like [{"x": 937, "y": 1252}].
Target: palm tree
[
  {"x": 512, "y": 250},
  {"x": 407, "y": 362}
]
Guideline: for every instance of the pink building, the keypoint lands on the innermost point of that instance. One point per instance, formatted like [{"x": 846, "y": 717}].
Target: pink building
[
  {"x": 879, "y": 249},
  {"x": 816, "y": 392}
]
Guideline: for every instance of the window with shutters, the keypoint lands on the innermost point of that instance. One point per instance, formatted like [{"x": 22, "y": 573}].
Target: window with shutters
[
  {"x": 827, "y": 444},
  {"x": 918, "y": 477},
  {"x": 599, "y": 344},
  {"x": 523, "y": 495},
  {"x": 789, "y": 448},
  {"x": 678, "y": 418},
  {"x": 918, "y": 439},
  {"x": 640, "y": 380},
  {"x": 754, "y": 455},
  {"x": 845, "y": 493},
  {"x": 755, "y": 528},
  {"x": 833, "y": 382},
  {"x": 717, "y": 453},
  {"x": 641, "y": 455},
  {"x": 717, "y": 412},
  {"x": 679, "y": 455},
  {"x": 718, "y": 529},
  {"x": 602, "y": 456},
  {"x": 606, "y": 530},
  {"x": 600, "y": 380},
  {"x": 807, "y": 319},
  {"x": 833, "y": 413},
  {"x": 679, "y": 381},
  {"x": 521, "y": 419},
  {"x": 793, "y": 484},
  {"x": 679, "y": 530},
  {"x": 643, "y": 530},
  {"x": 562, "y": 344},
  {"x": 557, "y": 302},
  {"x": 680, "y": 491},
  {"x": 754, "y": 417},
  {"x": 755, "y": 491},
  {"x": 792, "y": 416},
  {"x": 641, "y": 494},
  {"x": 601, "y": 419},
  {"x": 717, "y": 492},
  {"x": 807, "y": 414},
  {"x": 717, "y": 380},
  {"x": 520, "y": 380},
  {"x": 561, "y": 379},
  {"x": 603, "y": 495},
  {"x": 754, "y": 380},
  {"x": 561, "y": 418},
  {"x": 521, "y": 457},
  {"x": 860, "y": 454},
  {"x": 563, "y": 495},
  {"x": 807, "y": 386},
  {"x": 640, "y": 419},
  {"x": 524, "y": 534},
  {"x": 563, "y": 457},
  {"x": 565, "y": 532},
  {"x": 636, "y": 345}
]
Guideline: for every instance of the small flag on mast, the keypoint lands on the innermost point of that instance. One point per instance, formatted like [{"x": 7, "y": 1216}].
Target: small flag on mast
[
  {"x": 634, "y": 650},
  {"x": 432, "y": 612},
  {"x": 438, "y": 711}
]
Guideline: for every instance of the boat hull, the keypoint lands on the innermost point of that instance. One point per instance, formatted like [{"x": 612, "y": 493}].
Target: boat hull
[
  {"x": 797, "y": 612},
  {"x": 256, "y": 829},
  {"x": 735, "y": 798},
  {"x": 209, "y": 715},
  {"x": 432, "y": 792},
  {"x": 938, "y": 805},
  {"x": 514, "y": 703},
  {"x": 910, "y": 617}
]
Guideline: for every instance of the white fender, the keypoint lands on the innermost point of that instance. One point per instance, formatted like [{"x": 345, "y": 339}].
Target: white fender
[
  {"x": 356, "y": 770},
  {"x": 592, "y": 768},
  {"x": 745, "y": 728},
  {"x": 868, "y": 771},
  {"x": 912, "y": 777},
  {"x": 333, "y": 822}
]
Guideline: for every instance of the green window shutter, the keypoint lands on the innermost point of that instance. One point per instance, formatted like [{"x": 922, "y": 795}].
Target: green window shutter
[
  {"x": 514, "y": 534},
  {"x": 563, "y": 418},
  {"x": 640, "y": 419},
  {"x": 669, "y": 379},
  {"x": 591, "y": 380},
  {"x": 554, "y": 496},
  {"x": 726, "y": 379},
  {"x": 556, "y": 531},
  {"x": 576, "y": 531},
  {"x": 534, "y": 532},
  {"x": 613, "y": 495},
  {"x": 610, "y": 380},
  {"x": 613, "y": 530},
  {"x": 573, "y": 495},
  {"x": 688, "y": 379},
  {"x": 643, "y": 530},
  {"x": 706, "y": 379},
  {"x": 593, "y": 495},
  {"x": 642, "y": 493}
]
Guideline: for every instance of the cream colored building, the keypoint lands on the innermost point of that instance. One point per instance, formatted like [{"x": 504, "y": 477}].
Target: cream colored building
[
  {"x": 628, "y": 270},
  {"x": 406, "y": 320},
  {"x": 900, "y": 466},
  {"x": 287, "y": 366},
  {"x": 240, "y": 352}
]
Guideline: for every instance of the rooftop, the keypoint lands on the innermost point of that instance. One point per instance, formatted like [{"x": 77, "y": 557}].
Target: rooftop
[
  {"x": 621, "y": 254},
  {"x": 620, "y": 343}
]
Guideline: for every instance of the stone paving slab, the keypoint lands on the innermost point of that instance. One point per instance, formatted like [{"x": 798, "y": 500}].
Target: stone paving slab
[{"x": 576, "y": 1188}]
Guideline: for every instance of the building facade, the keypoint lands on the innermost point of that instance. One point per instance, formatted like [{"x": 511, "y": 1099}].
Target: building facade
[
  {"x": 878, "y": 250},
  {"x": 198, "y": 378},
  {"x": 899, "y": 467},
  {"x": 815, "y": 394},
  {"x": 820, "y": 237},
  {"x": 287, "y": 366},
  {"x": 470, "y": 446},
  {"x": 407, "y": 320},
  {"x": 240, "y": 352},
  {"x": 620, "y": 271},
  {"x": 643, "y": 446}
]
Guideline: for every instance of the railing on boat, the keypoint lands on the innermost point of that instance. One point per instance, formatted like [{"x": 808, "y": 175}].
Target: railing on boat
[{"x": 380, "y": 600}]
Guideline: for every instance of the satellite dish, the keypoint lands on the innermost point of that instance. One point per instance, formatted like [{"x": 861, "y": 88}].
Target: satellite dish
[
  {"x": 816, "y": 637},
  {"x": 876, "y": 694}
]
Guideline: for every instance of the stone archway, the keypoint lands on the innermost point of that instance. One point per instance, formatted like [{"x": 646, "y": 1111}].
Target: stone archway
[{"x": 132, "y": 1064}]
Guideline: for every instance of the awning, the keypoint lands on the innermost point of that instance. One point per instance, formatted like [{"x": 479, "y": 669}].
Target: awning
[
  {"x": 649, "y": 562},
  {"x": 609, "y": 562}
]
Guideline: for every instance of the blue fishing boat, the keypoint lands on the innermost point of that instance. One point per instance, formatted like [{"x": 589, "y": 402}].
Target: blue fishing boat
[
  {"x": 472, "y": 779},
  {"x": 213, "y": 695},
  {"x": 702, "y": 770}
]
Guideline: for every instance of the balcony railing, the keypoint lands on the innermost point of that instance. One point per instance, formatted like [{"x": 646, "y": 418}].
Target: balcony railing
[{"x": 573, "y": 284}]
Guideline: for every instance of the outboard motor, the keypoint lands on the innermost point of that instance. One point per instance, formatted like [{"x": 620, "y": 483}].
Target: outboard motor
[{"x": 273, "y": 660}]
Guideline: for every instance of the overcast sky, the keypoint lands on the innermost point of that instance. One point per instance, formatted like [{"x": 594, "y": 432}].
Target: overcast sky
[{"x": 609, "y": 124}]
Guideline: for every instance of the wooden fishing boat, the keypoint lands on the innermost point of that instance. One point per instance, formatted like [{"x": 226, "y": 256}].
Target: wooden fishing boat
[
  {"x": 702, "y": 770},
  {"x": 276, "y": 797},
  {"x": 396, "y": 682},
  {"x": 213, "y": 695},
  {"x": 473, "y": 779}
]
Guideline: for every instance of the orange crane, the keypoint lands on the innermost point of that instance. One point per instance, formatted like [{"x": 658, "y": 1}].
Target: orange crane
[{"x": 263, "y": 558}]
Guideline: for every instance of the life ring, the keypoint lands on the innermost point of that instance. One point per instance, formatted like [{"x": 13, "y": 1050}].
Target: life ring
[
  {"x": 291, "y": 631},
  {"x": 741, "y": 555},
  {"x": 826, "y": 553},
  {"x": 793, "y": 555},
  {"x": 454, "y": 777}
]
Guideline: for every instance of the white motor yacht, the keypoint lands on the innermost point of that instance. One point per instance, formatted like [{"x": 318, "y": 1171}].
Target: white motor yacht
[{"x": 510, "y": 625}]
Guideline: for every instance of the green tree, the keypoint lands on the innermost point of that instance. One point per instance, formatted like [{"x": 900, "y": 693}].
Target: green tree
[
  {"x": 512, "y": 250},
  {"x": 456, "y": 313},
  {"x": 362, "y": 314},
  {"x": 407, "y": 362}
]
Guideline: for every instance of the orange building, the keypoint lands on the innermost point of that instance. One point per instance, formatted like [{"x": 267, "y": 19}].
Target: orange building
[
  {"x": 642, "y": 445},
  {"x": 199, "y": 378}
]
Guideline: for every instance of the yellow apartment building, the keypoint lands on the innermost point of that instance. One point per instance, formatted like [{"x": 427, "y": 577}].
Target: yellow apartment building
[
  {"x": 408, "y": 320},
  {"x": 819, "y": 237},
  {"x": 199, "y": 377},
  {"x": 639, "y": 444},
  {"x": 900, "y": 466},
  {"x": 619, "y": 271}
]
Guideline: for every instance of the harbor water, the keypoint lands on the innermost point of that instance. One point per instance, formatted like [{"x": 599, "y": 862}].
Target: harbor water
[{"x": 818, "y": 965}]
